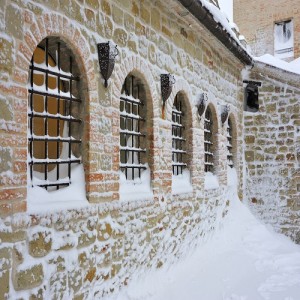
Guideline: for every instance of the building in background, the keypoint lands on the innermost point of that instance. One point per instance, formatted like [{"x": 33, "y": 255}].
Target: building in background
[
  {"x": 271, "y": 26},
  {"x": 272, "y": 108}
]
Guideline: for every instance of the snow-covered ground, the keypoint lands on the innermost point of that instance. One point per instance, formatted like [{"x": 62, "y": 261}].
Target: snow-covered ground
[{"x": 244, "y": 260}]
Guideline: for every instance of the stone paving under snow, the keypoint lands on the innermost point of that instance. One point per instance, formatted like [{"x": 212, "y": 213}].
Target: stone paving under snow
[{"x": 245, "y": 260}]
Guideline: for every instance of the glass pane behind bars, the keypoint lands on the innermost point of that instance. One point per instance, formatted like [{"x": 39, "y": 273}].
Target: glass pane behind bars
[
  {"x": 54, "y": 124},
  {"x": 178, "y": 141},
  {"x": 208, "y": 141},
  {"x": 132, "y": 140}
]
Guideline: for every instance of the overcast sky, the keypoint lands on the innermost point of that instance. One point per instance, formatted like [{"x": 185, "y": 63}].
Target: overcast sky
[{"x": 226, "y": 6}]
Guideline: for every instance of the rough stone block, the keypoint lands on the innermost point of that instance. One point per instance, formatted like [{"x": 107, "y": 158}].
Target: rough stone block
[
  {"x": 120, "y": 37},
  {"x": 249, "y": 156},
  {"x": 155, "y": 19},
  {"x": 4, "y": 284},
  {"x": 129, "y": 22},
  {"x": 75, "y": 280},
  {"x": 41, "y": 244},
  {"x": 118, "y": 15},
  {"x": 12, "y": 237},
  {"x": 93, "y": 3},
  {"x": 58, "y": 285},
  {"x": 39, "y": 295},
  {"x": 104, "y": 232},
  {"x": 29, "y": 278},
  {"x": 6, "y": 157},
  {"x": 14, "y": 21},
  {"x": 6, "y": 58}
]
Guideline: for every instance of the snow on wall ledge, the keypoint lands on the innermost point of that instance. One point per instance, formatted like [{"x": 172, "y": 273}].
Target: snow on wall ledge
[{"x": 91, "y": 252}]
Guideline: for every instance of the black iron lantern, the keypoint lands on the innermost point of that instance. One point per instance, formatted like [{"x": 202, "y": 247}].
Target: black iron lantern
[
  {"x": 225, "y": 109},
  {"x": 166, "y": 81},
  {"x": 107, "y": 53},
  {"x": 201, "y": 104}
]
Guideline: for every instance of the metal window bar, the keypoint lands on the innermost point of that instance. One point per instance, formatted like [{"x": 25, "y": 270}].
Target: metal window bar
[
  {"x": 208, "y": 142},
  {"x": 178, "y": 142},
  {"x": 64, "y": 117},
  {"x": 131, "y": 152},
  {"x": 229, "y": 144}
]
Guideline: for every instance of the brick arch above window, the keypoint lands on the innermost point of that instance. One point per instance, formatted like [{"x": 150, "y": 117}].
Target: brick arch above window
[
  {"x": 138, "y": 67},
  {"x": 181, "y": 86},
  {"x": 55, "y": 115},
  {"x": 38, "y": 28},
  {"x": 136, "y": 123},
  {"x": 182, "y": 146}
]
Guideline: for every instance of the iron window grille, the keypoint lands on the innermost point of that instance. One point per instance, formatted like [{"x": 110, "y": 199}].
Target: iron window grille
[
  {"x": 178, "y": 141},
  {"x": 208, "y": 141},
  {"x": 54, "y": 137},
  {"x": 229, "y": 144},
  {"x": 132, "y": 140}
]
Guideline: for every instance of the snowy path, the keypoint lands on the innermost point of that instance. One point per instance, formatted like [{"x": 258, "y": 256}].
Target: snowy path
[{"x": 244, "y": 261}]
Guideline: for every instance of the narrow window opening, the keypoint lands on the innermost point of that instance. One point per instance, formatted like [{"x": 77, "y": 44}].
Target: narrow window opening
[
  {"x": 178, "y": 140},
  {"x": 208, "y": 141},
  {"x": 284, "y": 39},
  {"x": 251, "y": 98},
  {"x": 132, "y": 139},
  {"x": 229, "y": 144}
]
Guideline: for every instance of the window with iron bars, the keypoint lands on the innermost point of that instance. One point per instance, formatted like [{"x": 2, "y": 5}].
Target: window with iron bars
[
  {"x": 54, "y": 137},
  {"x": 178, "y": 140},
  {"x": 208, "y": 141},
  {"x": 132, "y": 139},
  {"x": 229, "y": 144}
]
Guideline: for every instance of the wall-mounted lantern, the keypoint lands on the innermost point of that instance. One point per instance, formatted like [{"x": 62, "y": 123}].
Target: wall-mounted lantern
[
  {"x": 225, "y": 109},
  {"x": 107, "y": 53},
  {"x": 166, "y": 82},
  {"x": 201, "y": 104}
]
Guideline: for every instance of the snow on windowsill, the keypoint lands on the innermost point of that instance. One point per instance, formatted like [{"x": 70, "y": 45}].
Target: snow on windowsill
[
  {"x": 72, "y": 197},
  {"x": 232, "y": 179},
  {"x": 137, "y": 189},
  {"x": 181, "y": 184},
  {"x": 211, "y": 181}
]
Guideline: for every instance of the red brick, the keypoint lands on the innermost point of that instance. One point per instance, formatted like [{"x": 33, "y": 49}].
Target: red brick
[
  {"x": 13, "y": 194},
  {"x": 19, "y": 206},
  {"x": 25, "y": 50},
  {"x": 5, "y": 209},
  {"x": 20, "y": 76},
  {"x": 35, "y": 29},
  {"x": 28, "y": 16}
]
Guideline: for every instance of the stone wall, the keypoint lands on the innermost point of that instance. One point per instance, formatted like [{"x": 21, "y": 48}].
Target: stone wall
[
  {"x": 256, "y": 20},
  {"x": 95, "y": 250},
  {"x": 272, "y": 140}
]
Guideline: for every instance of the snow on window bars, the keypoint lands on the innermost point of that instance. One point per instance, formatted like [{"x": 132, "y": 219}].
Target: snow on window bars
[
  {"x": 284, "y": 39},
  {"x": 54, "y": 137},
  {"x": 208, "y": 141},
  {"x": 132, "y": 140},
  {"x": 229, "y": 144},
  {"x": 178, "y": 142}
]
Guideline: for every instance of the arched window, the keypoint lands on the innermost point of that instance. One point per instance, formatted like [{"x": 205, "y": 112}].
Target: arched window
[
  {"x": 133, "y": 142},
  {"x": 229, "y": 144},
  {"x": 178, "y": 140},
  {"x": 208, "y": 141},
  {"x": 54, "y": 122}
]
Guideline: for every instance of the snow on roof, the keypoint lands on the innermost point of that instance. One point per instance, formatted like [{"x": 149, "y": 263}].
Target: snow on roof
[
  {"x": 268, "y": 59},
  {"x": 296, "y": 63},
  {"x": 221, "y": 18}
]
